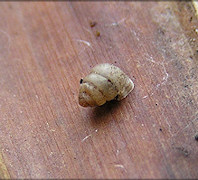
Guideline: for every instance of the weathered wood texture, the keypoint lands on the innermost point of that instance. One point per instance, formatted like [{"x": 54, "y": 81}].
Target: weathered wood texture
[{"x": 46, "y": 47}]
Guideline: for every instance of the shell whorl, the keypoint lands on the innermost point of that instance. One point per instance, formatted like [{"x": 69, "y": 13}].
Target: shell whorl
[{"x": 104, "y": 83}]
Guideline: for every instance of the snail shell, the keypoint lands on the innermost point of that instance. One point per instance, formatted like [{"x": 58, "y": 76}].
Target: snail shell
[{"x": 104, "y": 83}]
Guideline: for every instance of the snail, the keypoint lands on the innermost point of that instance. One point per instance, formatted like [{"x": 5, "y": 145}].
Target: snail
[{"x": 105, "y": 82}]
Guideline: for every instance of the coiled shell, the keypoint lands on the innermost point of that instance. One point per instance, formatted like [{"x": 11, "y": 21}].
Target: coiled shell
[{"x": 104, "y": 83}]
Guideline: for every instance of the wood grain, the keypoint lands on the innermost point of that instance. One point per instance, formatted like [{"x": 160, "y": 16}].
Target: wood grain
[{"x": 46, "y": 47}]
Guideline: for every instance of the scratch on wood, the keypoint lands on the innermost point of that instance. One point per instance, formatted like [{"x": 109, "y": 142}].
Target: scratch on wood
[
  {"x": 145, "y": 97},
  {"x": 118, "y": 22},
  {"x": 86, "y": 137},
  {"x": 165, "y": 78},
  {"x": 120, "y": 166},
  {"x": 87, "y": 30},
  {"x": 84, "y": 42},
  {"x": 9, "y": 39},
  {"x": 169, "y": 126},
  {"x": 186, "y": 126},
  {"x": 166, "y": 75},
  {"x": 4, "y": 174},
  {"x": 135, "y": 34}
]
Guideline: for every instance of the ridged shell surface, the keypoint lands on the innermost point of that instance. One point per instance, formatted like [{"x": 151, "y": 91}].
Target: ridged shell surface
[{"x": 104, "y": 83}]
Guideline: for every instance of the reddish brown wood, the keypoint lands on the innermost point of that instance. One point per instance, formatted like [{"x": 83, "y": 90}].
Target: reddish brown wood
[{"x": 46, "y": 47}]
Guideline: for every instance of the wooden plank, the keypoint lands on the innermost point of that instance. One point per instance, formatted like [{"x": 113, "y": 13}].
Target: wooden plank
[{"x": 46, "y": 47}]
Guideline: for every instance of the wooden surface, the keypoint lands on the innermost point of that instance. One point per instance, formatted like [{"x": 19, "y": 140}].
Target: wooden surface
[{"x": 46, "y": 47}]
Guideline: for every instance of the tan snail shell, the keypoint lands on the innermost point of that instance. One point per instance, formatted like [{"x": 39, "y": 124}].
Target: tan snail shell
[{"x": 104, "y": 83}]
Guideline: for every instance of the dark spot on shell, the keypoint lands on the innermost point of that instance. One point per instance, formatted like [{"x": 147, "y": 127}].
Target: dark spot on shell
[{"x": 81, "y": 81}]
